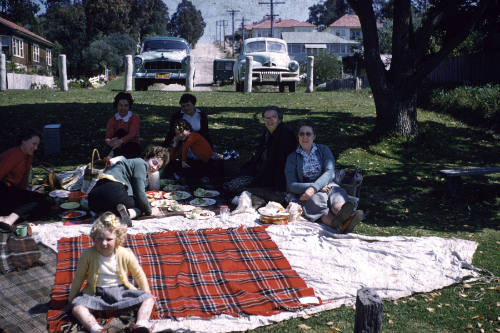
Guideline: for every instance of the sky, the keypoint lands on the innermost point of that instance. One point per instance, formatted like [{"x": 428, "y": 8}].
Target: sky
[{"x": 216, "y": 10}]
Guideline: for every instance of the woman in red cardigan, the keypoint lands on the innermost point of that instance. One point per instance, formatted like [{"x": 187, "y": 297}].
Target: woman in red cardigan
[
  {"x": 122, "y": 130},
  {"x": 16, "y": 200}
]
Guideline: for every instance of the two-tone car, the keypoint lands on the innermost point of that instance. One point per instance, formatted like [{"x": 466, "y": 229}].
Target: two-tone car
[
  {"x": 271, "y": 64},
  {"x": 163, "y": 60}
]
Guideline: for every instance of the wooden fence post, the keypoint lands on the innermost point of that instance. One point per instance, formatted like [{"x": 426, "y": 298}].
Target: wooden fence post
[
  {"x": 310, "y": 74},
  {"x": 248, "y": 74},
  {"x": 128, "y": 73},
  {"x": 190, "y": 73},
  {"x": 369, "y": 310},
  {"x": 3, "y": 73},
  {"x": 63, "y": 77}
]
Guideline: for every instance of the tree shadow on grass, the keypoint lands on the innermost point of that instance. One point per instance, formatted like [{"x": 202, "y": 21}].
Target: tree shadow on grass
[{"x": 405, "y": 191}]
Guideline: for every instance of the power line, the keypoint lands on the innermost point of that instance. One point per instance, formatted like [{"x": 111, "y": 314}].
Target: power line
[
  {"x": 232, "y": 12},
  {"x": 272, "y": 15}
]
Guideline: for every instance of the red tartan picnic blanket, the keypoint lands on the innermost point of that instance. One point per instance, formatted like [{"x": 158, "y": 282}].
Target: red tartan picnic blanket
[{"x": 198, "y": 273}]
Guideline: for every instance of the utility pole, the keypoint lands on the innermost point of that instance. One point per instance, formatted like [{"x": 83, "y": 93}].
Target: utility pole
[
  {"x": 224, "y": 25},
  {"x": 216, "y": 32},
  {"x": 243, "y": 29},
  {"x": 272, "y": 3},
  {"x": 232, "y": 12}
]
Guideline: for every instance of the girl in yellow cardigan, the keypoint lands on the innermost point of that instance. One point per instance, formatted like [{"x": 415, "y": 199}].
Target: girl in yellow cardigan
[{"x": 105, "y": 267}]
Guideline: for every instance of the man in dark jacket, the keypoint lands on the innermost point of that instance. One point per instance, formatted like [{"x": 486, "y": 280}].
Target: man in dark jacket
[{"x": 264, "y": 174}]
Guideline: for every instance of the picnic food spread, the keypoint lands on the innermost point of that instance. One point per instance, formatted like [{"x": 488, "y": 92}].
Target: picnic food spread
[
  {"x": 178, "y": 195},
  {"x": 199, "y": 214},
  {"x": 201, "y": 202},
  {"x": 200, "y": 192},
  {"x": 274, "y": 213},
  {"x": 70, "y": 205}
]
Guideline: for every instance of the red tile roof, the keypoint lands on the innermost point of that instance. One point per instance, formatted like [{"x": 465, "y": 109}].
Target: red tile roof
[
  {"x": 349, "y": 21},
  {"x": 289, "y": 23},
  {"x": 22, "y": 30}
]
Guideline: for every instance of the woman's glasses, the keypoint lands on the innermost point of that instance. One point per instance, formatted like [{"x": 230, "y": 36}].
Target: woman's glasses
[{"x": 308, "y": 134}]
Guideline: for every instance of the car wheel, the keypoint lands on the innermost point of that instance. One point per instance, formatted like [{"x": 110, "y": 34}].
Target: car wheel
[
  {"x": 141, "y": 85},
  {"x": 239, "y": 86},
  {"x": 291, "y": 86},
  {"x": 282, "y": 87}
]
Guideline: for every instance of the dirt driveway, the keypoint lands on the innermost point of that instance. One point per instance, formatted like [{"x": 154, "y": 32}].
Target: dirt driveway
[{"x": 204, "y": 55}]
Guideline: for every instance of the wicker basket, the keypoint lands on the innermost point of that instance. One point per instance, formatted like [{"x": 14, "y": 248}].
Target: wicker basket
[{"x": 277, "y": 219}]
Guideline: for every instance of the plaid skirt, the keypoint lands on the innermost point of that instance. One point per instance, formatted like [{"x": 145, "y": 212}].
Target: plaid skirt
[{"x": 111, "y": 298}]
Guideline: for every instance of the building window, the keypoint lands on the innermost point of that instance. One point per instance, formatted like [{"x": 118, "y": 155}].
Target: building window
[
  {"x": 48, "y": 57},
  {"x": 17, "y": 47},
  {"x": 36, "y": 53},
  {"x": 355, "y": 35}
]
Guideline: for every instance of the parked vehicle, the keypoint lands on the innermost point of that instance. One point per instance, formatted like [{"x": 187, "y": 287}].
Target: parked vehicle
[
  {"x": 162, "y": 59},
  {"x": 271, "y": 64},
  {"x": 223, "y": 71}
]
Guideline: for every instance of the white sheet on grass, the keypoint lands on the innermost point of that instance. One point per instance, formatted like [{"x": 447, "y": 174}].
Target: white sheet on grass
[{"x": 334, "y": 265}]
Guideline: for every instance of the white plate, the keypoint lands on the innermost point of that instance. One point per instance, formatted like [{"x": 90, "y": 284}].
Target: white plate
[
  {"x": 202, "y": 193},
  {"x": 178, "y": 195},
  {"x": 59, "y": 194},
  {"x": 181, "y": 208},
  {"x": 173, "y": 187},
  {"x": 70, "y": 205},
  {"x": 199, "y": 214},
  {"x": 202, "y": 202},
  {"x": 163, "y": 203},
  {"x": 73, "y": 214}
]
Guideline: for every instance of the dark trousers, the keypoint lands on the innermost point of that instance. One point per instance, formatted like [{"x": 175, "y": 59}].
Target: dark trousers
[
  {"x": 107, "y": 194},
  {"x": 26, "y": 204},
  {"x": 129, "y": 149}
]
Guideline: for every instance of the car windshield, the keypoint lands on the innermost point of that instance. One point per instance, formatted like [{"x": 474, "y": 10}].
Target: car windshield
[
  {"x": 159, "y": 45},
  {"x": 260, "y": 46}
]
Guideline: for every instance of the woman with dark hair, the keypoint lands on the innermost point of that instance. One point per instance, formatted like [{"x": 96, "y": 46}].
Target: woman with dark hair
[
  {"x": 194, "y": 116},
  {"x": 17, "y": 201},
  {"x": 122, "y": 130},
  {"x": 122, "y": 187},
  {"x": 310, "y": 176}
]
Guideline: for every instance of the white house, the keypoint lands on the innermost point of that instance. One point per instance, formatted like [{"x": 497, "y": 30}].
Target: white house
[
  {"x": 263, "y": 28},
  {"x": 303, "y": 44},
  {"x": 347, "y": 27}
]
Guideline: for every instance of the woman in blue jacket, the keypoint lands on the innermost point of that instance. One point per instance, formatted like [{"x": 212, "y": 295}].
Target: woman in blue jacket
[{"x": 310, "y": 176}]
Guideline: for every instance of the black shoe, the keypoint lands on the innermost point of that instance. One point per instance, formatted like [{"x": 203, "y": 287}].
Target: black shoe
[
  {"x": 122, "y": 210},
  {"x": 5, "y": 227}
]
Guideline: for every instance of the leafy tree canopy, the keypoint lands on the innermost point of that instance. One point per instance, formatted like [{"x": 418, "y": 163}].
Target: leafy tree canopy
[
  {"x": 109, "y": 52},
  {"x": 325, "y": 13},
  {"x": 21, "y": 12},
  {"x": 187, "y": 22}
]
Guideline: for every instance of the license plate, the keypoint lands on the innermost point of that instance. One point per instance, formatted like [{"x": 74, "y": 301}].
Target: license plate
[
  {"x": 163, "y": 76},
  {"x": 269, "y": 77}
]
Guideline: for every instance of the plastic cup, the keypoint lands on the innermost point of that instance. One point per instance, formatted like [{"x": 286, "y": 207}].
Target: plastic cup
[{"x": 22, "y": 230}]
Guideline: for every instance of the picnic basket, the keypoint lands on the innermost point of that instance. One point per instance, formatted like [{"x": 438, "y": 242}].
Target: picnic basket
[
  {"x": 275, "y": 219},
  {"x": 92, "y": 171}
]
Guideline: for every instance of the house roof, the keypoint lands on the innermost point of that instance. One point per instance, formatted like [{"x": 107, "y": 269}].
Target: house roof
[
  {"x": 349, "y": 21},
  {"x": 314, "y": 38},
  {"x": 289, "y": 23},
  {"x": 23, "y": 31}
]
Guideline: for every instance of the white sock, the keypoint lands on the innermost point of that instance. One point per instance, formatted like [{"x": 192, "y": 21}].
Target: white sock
[
  {"x": 96, "y": 328},
  {"x": 144, "y": 323}
]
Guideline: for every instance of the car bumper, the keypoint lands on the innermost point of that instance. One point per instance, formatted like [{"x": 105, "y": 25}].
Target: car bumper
[{"x": 160, "y": 76}]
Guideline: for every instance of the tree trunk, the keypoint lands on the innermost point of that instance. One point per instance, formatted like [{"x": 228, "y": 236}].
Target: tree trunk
[{"x": 396, "y": 112}]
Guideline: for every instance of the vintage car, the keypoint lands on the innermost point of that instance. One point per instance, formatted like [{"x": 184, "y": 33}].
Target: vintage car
[
  {"x": 163, "y": 60},
  {"x": 223, "y": 71},
  {"x": 271, "y": 64}
]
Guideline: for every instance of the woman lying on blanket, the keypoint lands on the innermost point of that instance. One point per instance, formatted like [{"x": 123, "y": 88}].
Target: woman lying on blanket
[
  {"x": 122, "y": 187},
  {"x": 17, "y": 201},
  {"x": 310, "y": 175},
  {"x": 105, "y": 267}
]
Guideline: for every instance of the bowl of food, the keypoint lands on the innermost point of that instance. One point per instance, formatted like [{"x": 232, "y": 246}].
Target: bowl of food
[{"x": 274, "y": 213}]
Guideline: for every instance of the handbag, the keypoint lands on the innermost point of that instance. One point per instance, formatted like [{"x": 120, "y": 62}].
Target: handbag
[{"x": 92, "y": 171}]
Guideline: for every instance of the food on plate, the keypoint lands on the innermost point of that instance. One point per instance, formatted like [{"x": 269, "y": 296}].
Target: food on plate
[
  {"x": 163, "y": 203},
  {"x": 177, "y": 195},
  {"x": 172, "y": 187},
  {"x": 73, "y": 214},
  {"x": 180, "y": 208},
  {"x": 155, "y": 195},
  {"x": 199, "y": 192},
  {"x": 70, "y": 205},
  {"x": 59, "y": 194},
  {"x": 199, "y": 214}
]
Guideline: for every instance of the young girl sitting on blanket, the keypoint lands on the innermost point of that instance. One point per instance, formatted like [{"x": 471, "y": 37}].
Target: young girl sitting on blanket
[{"x": 105, "y": 267}]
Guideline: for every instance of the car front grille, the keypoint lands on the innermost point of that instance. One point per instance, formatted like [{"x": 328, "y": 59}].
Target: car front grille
[{"x": 162, "y": 65}]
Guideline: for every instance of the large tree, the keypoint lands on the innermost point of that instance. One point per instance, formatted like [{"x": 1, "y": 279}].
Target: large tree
[
  {"x": 413, "y": 57},
  {"x": 187, "y": 22},
  {"x": 148, "y": 17},
  {"x": 325, "y": 13},
  {"x": 106, "y": 16},
  {"x": 22, "y": 12}
]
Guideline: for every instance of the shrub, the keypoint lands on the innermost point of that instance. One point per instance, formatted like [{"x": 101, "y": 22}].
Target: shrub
[
  {"x": 476, "y": 105},
  {"x": 326, "y": 67}
]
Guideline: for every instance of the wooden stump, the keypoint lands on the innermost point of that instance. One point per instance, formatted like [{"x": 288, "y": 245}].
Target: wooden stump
[{"x": 369, "y": 310}]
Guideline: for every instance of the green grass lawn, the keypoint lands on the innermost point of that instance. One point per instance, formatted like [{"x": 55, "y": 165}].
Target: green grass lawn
[{"x": 402, "y": 193}]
